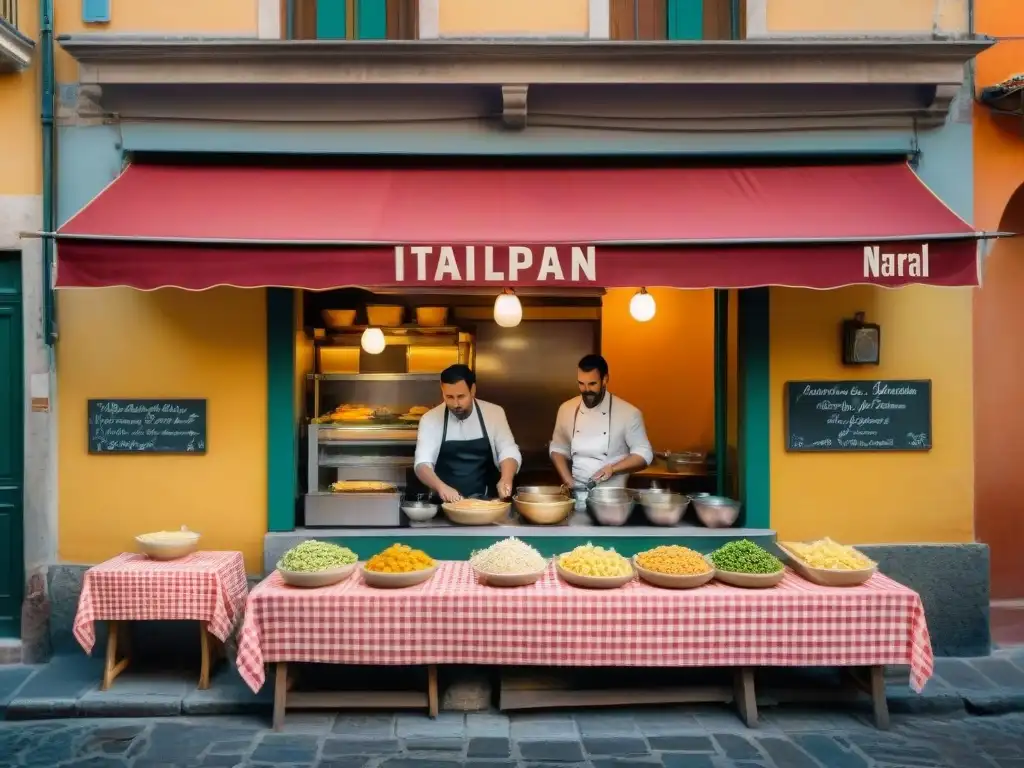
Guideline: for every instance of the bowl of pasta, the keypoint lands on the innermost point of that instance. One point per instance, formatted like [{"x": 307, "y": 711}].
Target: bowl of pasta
[
  {"x": 828, "y": 563},
  {"x": 168, "y": 545},
  {"x": 477, "y": 511}
]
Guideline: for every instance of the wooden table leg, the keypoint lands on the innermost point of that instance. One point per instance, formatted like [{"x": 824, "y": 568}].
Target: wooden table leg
[
  {"x": 746, "y": 695},
  {"x": 280, "y": 694},
  {"x": 432, "y": 703},
  {"x": 117, "y": 633},
  {"x": 873, "y": 684},
  {"x": 206, "y": 647}
]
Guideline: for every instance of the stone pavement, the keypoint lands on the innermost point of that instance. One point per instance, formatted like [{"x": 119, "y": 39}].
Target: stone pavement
[
  {"x": 68, "y": 686},
  {"x": 693, "y": 737}
]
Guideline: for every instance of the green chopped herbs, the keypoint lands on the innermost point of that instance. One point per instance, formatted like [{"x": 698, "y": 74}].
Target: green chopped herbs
[
  {"x": 311, "y": 556},
  {"x": 744, "y": 556}
]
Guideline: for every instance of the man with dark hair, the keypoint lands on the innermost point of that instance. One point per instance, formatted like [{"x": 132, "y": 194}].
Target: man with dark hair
[
  {"x": 598, "y": 437},
  {"x": 465, "y": 448}
]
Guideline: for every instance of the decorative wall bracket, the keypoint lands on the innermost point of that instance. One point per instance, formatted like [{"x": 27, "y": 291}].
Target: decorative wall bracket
[{"x": 513, "y": 106}]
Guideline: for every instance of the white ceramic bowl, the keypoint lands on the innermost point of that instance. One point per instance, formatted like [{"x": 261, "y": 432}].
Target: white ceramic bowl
[
  {"x": 314, "y": 579},
  {"x": 168, "y": 550},
  {"x": 420, "y": 511}
]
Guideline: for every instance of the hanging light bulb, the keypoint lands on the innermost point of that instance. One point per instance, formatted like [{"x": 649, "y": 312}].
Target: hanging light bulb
[
  {"x": 372, "y": 341},
  {"x": 642, "y": 306},
  {"x": 508, "y": 311}
]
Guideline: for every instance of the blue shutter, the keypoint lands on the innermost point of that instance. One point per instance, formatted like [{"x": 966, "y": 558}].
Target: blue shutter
[
  {"x": 371, "y": 19},
  {"x": 685, "y": 19},
  {"x": 96, "y": 11},
  {"x": 331, "y": 20}
]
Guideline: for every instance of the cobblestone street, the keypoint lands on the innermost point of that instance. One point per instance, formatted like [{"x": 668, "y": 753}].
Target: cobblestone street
[{"x": 690, "y": 738}]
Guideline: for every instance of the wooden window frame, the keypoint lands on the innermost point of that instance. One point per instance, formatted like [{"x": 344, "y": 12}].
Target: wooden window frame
[
  {"x": 402, "y": 19},
  {"x": 650, "y": 17}
]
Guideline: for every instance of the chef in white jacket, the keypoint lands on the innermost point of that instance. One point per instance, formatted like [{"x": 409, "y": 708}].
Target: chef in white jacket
[{"x": 598, "y": 437}]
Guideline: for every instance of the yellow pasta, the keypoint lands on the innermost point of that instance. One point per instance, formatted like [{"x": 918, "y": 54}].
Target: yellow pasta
[{"x": 826, "y": 553}]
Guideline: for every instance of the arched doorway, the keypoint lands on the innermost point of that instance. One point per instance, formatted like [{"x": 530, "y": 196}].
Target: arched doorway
[{"x": 999, "y": 406}]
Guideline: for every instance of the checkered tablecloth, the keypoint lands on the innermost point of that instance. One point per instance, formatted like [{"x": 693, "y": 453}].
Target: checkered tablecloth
[
  {"x": 205, "y": 586},
  {"x": 452, "y": 619}
]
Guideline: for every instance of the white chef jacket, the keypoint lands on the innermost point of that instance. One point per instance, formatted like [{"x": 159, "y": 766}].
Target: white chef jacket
[
  {"x": 499, "y": 434},
  {"x": 601, "y": 438}
]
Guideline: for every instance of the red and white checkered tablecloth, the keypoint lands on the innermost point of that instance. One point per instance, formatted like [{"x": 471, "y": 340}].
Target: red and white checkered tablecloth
[
  {"x": 452, "y": 619},
  {"x": 204, "y": 586}
]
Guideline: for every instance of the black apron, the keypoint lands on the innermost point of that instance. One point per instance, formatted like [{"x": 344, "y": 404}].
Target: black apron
[{"x": 468, "y": 465}]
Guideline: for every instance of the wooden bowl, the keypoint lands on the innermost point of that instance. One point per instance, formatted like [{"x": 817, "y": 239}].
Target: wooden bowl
[
  {"x": 339, "y": 318},
  {"x": 396, "y": 580},
  {"x": 509, "y": 579},
  {"x": 828, "y": 577},
  {"x": 168, "y": 550},
  {"x": 544, "y": 512},
  {"x": 593, "y": 582},
  {"x": 750, "y": 580},
  {"x": 431, "y": 317},
  {"x": 673, "y": 581},
  {"x": 315, "y": 579},
  {"x": 489, "y": 516}
]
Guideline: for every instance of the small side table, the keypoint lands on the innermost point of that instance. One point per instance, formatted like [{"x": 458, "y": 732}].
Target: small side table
[{"x": 207, "y": 587}]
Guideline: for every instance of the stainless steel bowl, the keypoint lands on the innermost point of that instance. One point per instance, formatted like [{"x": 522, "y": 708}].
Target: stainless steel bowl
[
  {"x": 664, "y": 508},
  {"x": 613, "y": 494},
  {"x": 610, "y": 506},
  {"x": 419, "y": 511},
  {"x": 716, "y": 511}
]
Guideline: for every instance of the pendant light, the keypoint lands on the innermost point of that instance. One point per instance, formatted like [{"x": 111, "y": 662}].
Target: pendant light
[
  {"x": 508, "y": 311},
  {"x": 372, "y": 341},
  {"x": 642, "y": 306}
]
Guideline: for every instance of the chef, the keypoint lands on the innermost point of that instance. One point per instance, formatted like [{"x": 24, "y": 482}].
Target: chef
[
  {"x": 465, "y": 448},
  {"x": 598, "y": 437}
]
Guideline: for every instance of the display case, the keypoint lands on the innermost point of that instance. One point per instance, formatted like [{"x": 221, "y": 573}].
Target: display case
[{"x": 365, "y": 430}]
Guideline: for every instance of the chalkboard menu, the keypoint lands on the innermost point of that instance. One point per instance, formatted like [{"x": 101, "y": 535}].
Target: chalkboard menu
[
  {"x": 859, "y": 415},
  {"x": 147, "y": 426}
]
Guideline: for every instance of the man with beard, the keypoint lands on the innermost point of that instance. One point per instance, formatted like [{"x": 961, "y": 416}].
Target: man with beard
[
  {"x": 465, "y": 448},
  {"x": 598, "y": 437}
]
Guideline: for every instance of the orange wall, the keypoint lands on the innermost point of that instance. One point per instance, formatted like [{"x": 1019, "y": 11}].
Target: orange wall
[
  {"x": 864, "y": 498},
  {"x": 665, "y": 367},
  {"x": 117, "y": 342},
  {"x": 998, "y": 309}
]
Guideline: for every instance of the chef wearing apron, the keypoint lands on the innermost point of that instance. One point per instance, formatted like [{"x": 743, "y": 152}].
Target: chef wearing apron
[
  {"x": 598, "y": 438},
  {"x": 464, "y": 447}
]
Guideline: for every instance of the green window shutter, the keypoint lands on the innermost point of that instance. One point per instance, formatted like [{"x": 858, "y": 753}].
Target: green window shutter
[
  {"x": 331, "y": 20},
  {"x": 371, "y": 19},
  {"x": 685, "y": 19}
]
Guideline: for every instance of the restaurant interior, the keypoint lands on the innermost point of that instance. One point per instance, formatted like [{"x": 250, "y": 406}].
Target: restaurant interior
[{"x": 369, "y": 365}]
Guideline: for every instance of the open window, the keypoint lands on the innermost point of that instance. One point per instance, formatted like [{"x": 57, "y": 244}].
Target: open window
[
  {"x": 678, "y": 19},
  {"x": 351, "y": 19}
]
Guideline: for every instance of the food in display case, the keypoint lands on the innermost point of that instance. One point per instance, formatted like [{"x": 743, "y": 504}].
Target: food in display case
[{"x": 363, "y": 486}]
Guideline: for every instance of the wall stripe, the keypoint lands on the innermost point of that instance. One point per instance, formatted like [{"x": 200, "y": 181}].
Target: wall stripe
[
  {"x": 753, "y": 347},
  {"x": 600, "y": 20},
  {"x": 430, "y": 19},
  {"x": 282, "y": 440},
  {"x": 268, "y": 19}
]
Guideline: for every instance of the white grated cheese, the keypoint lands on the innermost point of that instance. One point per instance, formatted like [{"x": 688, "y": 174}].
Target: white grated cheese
[{"x": 508, "y": 556}]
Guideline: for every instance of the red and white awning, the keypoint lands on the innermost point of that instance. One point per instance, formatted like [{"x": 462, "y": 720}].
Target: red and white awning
[{"x": 196, "y": 227}]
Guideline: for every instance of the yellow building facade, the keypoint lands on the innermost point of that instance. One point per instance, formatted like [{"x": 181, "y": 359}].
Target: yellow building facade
[{"x": 118, "y": 342}]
